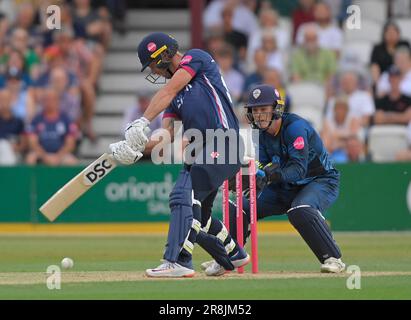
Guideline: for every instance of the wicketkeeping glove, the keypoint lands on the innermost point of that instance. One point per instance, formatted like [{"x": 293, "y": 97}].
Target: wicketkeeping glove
[{"x": 272, "y": 172}]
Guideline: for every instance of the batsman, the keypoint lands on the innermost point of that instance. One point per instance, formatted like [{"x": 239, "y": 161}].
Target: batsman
[
  {"x": 196, "y": 95},
  {"x": 295, "y": 177}
]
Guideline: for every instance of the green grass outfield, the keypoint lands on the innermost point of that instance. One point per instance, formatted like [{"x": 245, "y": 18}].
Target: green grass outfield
[{"x": 112, "y": 267}]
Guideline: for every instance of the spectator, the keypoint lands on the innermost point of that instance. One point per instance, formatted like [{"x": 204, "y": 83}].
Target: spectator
[
  {"x": 405, "y": 155},
  {"x": 15, "y": 64},
  {"x": 233, "y": 79},
  {"x": 51, "y": 135},
  {"x": 89, "y": 24},
  {"x": 336, "y": 130},
  {"x": 69, "y": 99},
  {"x": 83, "y": 70},
  {"x": 360, "y": 102},
  {"x": 338, "y": 9},
  {"x": 136, "y": 111},
  {"x": 303, "y": 14},
  {"x": 22, "y": 99},
  {"x": 260, "y": 60},
  {"x": 26, "y": 19},
  {"x": 273, "y": 77},
  {"x": 243, "y": 20},
  {"x": 382, "y": 56},
  {"x": 274, "y": 56},
  {"x": 268, "y": 23},
  {"x": 20, "y": 42},
  {"x": 234, "y": 37},
  {"x": 214, "y": 41},
  {"x": 329, "y": 34},
  {"x": 355, "y": 149},
  {"x": 395, "y": 107},
  {"x": 310, "y": 62},
  {"x": 402, "y": 59},
  {"x": 12, "y": 139}
]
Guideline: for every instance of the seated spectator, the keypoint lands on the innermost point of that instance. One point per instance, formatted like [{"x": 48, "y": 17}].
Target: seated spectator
[
  {"x": 274, "y": 56},
  {"x": 402, "y": 59},
  {"x": 355, "y": 149},
  {"x": 329, "y": 34},
  {"x": 260, "y": 61},
  {"x": 12, "y": 138},
  {"x": 82, "y": 69},
  {"x": 395, "y": 107},
  {"x": 338, "y": 9},
  {"x": 273, "y": 78},
  {"x": 336, "y": 130},
  {"x": 303, "y": 14},
  {"x": 137, "y": 110},
  {"x": 405, "y": 155},
  {"x": 69, "y": 96},
  {"x": 268, "y": 23},
  {"x": 243, "y": 20},
  {"x": 22, "y": 98},
  {"x": 15, "y": 64},
  {"x": 20, "y": 42},
  {"x": 360, "y": 102},
  {"x": 51, "y": 135},
  {"x": 26, "y": 19},
  {"x": 234, "y": 37},
  {"x": 310, "y": 62},
  {"x": 233, "y": 79},
  {"x": 214, "y": 41},
  {"x": 382, "y": 56},
  {"x": 89, "y": 24}
]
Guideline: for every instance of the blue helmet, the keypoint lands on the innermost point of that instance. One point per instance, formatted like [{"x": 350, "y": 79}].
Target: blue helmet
[
  {"x": 155, "y": 47},
  {"x": 264, "y": 95}
]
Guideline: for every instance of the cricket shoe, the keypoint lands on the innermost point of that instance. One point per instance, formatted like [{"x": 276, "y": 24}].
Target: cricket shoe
[
  {"x": 332, "y": 265},
  {"x": 240, "y": 259},
  {"x": 170, "y": 270}
]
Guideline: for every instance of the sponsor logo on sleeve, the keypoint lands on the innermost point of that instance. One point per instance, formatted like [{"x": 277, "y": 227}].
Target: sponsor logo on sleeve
[
  {"x": 186, "y": 59},
  {"x": 299, "y": 143}
]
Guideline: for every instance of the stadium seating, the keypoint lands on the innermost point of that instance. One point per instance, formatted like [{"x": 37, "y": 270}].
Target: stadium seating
[
  {"x": 310, "y": 113},
  {"x": 369, "y": 31},
  {"x": 373, "y": 9},
  {"x": 361, "y": 50},
  {"x": 405, "y": 27},
  {"x": 385, "y": 141},
  {"x": 304, "y": 93}
]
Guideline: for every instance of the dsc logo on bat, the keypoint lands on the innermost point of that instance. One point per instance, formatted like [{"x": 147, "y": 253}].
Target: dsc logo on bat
[{"x": 96, "y": 172}]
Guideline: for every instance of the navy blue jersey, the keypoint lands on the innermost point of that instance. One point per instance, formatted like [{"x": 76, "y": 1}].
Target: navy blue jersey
[
  {"x": 298, "y": 149},
  {"x": 52, "y": 132},
  {"x": 205, "y": 102}
]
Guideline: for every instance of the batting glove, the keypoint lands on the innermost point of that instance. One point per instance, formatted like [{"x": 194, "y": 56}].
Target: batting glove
[
  {"x": 124, "y": 154},
  {"x": 137, "y": 132}
]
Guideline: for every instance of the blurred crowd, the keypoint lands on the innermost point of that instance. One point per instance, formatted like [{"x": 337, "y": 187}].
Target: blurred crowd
[
  {"x": 305, "y": 55},
  {"x": 49, "y": 77},
  {"x": 345, "y": 85}
]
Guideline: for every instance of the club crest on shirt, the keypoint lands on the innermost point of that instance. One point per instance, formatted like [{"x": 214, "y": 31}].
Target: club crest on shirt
[
  {"x": 299, "y": 143},
  {"x": 256, "y": 93}
]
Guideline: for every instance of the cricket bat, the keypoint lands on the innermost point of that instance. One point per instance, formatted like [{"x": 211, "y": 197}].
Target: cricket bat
[{"x": 77, "y": 186}]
